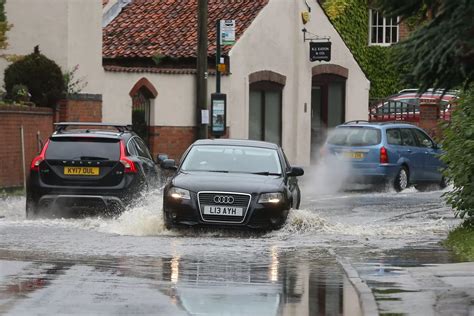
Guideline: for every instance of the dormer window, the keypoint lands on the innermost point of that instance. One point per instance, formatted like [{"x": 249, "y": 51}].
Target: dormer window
[{"x": 382, "y": 31}]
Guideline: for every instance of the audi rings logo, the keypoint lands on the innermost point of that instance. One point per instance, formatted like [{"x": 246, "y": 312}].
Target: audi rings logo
[{"x": 223, "y": 199}]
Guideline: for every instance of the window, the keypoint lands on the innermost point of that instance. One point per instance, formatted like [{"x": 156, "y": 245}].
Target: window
[
  {"x": 393, "y": 137},
  {"x": 407, "y": 137},
  {"x": 382, "y": 30},
  {"x": 221, "y": 158},
  {"x": 265, "y": 111},
  {"x": 142, "y": 149},
  {"x": 83, "y": 148},
  {"x": 423, "y": 139},
  {"x": 354, "y": 136}
]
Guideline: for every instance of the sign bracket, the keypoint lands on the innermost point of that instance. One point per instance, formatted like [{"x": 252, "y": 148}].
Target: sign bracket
[{"x": 313, "y": 37}]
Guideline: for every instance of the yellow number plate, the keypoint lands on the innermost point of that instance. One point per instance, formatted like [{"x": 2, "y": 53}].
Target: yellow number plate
[
  {"x": 81, "y": 171},
  {"x": 354, "y": 155}
]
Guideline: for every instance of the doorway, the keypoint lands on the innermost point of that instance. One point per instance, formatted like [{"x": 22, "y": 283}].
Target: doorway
[{"x": 328, "y": 95}]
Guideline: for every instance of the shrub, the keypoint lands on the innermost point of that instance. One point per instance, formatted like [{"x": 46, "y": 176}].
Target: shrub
[
  {"x": 458, "y": 146},
  {"x": 20, "y": 93},
  {"x": 40, "y": 75}
]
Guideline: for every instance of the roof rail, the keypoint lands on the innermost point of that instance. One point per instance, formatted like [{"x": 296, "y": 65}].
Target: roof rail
[
  {"x": 356, "y": 122},
  {"x": 64, "y": 125},
  {"x": 396, "y": 122}
]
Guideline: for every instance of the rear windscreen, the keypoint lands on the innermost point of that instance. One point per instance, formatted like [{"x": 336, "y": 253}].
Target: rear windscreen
[
  {"x": 354, "y": 136},
  {"x": 69, "y": 148}
]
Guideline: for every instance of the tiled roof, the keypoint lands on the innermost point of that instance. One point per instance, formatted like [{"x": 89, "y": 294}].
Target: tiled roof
[
  {"x": 156, "y": 70},
  {"x": 146, "y": 28}
]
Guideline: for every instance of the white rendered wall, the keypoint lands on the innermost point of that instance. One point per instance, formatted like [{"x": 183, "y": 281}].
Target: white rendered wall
[{"x": 274, "y": 41}]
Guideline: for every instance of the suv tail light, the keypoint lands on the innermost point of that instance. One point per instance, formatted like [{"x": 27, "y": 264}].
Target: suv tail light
[
  {"x": 126, "y": 162},
  {"x": 38, "y": 159},
  {"x": 383, "y": 155}
]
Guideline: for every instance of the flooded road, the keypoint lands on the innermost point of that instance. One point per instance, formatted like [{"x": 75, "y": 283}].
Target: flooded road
[{"x": 133, "y": 265}]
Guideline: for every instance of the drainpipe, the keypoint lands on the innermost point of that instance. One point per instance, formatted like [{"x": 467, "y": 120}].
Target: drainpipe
[{"x": 22, "y": 138}]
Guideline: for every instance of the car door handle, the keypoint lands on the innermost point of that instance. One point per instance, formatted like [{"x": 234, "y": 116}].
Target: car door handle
[{"x": 408, "y": 150}]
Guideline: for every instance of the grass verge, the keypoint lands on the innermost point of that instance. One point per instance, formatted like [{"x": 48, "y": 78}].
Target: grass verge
[{"x": 461, "y": 240}]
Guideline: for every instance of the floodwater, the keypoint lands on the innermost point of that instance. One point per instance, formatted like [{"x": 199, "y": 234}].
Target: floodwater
[{"x": 133, "y": 265}]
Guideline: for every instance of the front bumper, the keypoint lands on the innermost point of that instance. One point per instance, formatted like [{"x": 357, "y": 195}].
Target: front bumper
[{"x": 258, "y": 216}]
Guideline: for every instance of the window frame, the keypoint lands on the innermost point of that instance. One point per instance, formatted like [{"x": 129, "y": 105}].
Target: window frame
[{"x": 384, "y": 26}]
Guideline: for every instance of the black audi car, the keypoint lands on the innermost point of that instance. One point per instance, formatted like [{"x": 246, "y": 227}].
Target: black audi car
[
  {"x": 87, "y": 168},
  {"x": 228, "y": 182}
]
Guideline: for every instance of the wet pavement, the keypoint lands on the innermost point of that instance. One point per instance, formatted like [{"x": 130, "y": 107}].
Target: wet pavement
[{"x": 132, "y": 265}]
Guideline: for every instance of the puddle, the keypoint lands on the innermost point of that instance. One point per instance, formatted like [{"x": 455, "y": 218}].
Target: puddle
[{"x": 278, "y": 283}]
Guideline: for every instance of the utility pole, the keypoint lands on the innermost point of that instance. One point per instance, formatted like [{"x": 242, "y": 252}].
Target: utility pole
[
  {"x": 201, "y": 95},
  {"x": 218, "y": 56}
]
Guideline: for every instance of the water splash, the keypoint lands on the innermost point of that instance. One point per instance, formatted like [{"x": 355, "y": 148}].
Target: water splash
[{"x": 144, "y": 219}]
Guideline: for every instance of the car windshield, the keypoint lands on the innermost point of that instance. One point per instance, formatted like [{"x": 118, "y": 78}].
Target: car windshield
[
  {"x": 354, "y": 136},
  {"x": 223, "y": 158}
]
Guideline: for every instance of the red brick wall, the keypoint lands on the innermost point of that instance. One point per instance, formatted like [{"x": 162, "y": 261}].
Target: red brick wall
[
  {"x": 33, "y": 120},
  {"x": 171, "y": 140},
  {"x": 403, "y": 31},
  {"x": 429, "y": 119},
  {"x": 79, "y": 110}
]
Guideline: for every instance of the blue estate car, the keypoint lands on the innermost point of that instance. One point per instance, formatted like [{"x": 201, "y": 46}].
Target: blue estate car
[{"x": 397, "y": 154}]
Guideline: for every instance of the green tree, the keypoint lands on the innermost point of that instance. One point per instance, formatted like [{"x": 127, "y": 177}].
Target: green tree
[
  {"x": 42, "y": 77},
  {"x": 458, "y": 145},
  {"x": 441, "y": 55},
  {"x": 440, "y": 52}
]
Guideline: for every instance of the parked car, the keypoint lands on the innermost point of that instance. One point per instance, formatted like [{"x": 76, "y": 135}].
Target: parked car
[
  {"x": 231, "y": 183},
  {"x": 398, "y": 154},
  {"x": 405, "y": 105},
  {"x": 86, "y": 167}
]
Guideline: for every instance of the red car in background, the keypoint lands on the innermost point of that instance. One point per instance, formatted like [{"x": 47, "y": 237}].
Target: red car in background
[{"x": 405, "y": 105}]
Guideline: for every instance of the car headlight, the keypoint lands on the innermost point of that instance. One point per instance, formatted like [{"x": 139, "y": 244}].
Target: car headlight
[
  {"x": 272, "y": 198},
  {"x": 179, "y": 194}
]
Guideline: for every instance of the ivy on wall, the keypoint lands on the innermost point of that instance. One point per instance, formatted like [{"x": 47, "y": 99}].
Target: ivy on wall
[
  {"x": 4, "y": 26},
  {"x": 351, "y": 19}
]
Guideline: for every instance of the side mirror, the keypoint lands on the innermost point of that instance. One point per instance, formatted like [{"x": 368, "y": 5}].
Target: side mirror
[
  {"x": 168, "y": 164},
  {"x": 161, "y": 157},
  {"x": 295, "y": 172}
]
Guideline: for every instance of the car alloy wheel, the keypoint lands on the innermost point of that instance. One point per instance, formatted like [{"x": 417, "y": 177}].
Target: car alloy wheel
[{"x": 401, "y": 181}]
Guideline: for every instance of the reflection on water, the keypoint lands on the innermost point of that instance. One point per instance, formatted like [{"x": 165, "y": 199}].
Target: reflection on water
[{"x": 281, "y": 282}]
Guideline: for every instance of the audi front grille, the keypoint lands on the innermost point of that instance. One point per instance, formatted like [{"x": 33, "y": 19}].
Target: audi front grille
[{"x": 229, "y": 199}]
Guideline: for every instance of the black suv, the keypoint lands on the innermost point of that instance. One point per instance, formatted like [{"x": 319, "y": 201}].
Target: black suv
[{"x": 89, "y": 167}]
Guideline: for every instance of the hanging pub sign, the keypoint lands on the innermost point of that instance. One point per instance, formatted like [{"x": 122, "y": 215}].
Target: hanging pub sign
[
  {"x": 218, "y": 114},
  {"x": 320, "y": 51}
]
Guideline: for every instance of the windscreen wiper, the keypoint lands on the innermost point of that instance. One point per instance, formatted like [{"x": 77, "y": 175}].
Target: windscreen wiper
[{"x": 267, "y": 173}]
